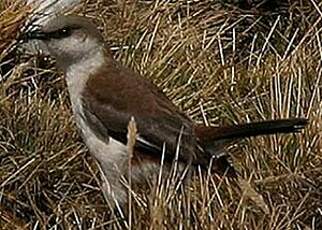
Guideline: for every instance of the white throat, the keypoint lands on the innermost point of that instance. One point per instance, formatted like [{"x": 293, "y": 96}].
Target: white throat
[
  {"x": 78, "y": 74},
  {"x": 76, "y": 77}
]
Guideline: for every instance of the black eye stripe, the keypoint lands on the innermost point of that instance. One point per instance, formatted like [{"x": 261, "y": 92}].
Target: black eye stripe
[{"x": 65, "y": 32}]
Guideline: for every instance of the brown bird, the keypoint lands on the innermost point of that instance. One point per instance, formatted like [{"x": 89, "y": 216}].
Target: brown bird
[{"x": 105, "y": 95}]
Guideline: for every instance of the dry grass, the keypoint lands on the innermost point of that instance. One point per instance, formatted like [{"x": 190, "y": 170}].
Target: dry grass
[{"x": 220, "y": 64}]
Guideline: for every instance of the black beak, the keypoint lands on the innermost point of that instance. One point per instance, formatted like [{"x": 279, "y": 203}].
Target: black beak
[{"x": 34, "y": 34}]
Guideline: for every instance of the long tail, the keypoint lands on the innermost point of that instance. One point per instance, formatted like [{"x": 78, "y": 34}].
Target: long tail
[
  {"x": 212, "y": 134},
  {"x": 214, "y": 139}
]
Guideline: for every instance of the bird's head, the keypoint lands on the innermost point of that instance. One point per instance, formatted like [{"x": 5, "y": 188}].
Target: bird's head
[{"x": 68, "y": 38}]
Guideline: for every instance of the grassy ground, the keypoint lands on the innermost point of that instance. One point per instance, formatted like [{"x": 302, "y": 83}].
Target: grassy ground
[{"x": 220, "y": 63}]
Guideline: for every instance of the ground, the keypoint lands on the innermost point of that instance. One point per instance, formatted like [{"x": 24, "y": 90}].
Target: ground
[{"x": 221, "y": 62}]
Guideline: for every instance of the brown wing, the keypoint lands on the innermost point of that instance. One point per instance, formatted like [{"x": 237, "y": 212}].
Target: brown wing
[{"x": 111, "y": 99}]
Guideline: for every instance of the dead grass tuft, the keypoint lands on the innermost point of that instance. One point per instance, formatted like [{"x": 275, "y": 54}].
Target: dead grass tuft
[{"x": 220, "y": 62}]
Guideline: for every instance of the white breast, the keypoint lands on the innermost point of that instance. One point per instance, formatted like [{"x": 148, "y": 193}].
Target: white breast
[
  {"x": 110, "y": 155},
  {"x": 107, "y": 153}
]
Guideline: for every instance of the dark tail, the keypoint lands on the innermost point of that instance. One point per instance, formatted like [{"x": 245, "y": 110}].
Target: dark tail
[
  {"x": 213, "y": 134},
  {"x": 213, "y": 139}
]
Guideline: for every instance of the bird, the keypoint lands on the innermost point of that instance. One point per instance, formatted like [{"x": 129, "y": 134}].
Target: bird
[{"x": 105, "y": 95}]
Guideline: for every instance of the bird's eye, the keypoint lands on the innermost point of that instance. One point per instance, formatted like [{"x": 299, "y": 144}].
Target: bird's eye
[
  {"x": 65, "y": 32},
  {"x": 58, "y": 34}
]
